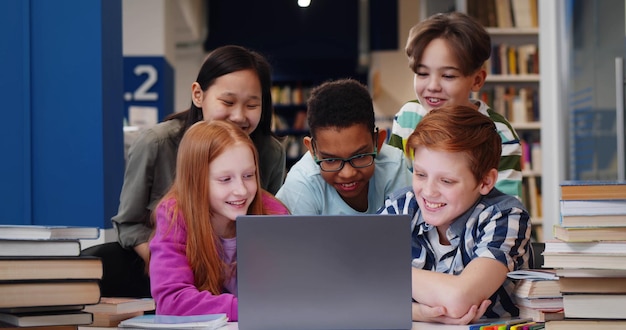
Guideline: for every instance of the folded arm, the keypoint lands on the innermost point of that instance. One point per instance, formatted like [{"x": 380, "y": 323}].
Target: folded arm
[{"x": 458, "y": 294}]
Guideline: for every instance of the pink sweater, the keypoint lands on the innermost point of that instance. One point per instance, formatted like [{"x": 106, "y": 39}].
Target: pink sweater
[{"x": 171, "y": 278}]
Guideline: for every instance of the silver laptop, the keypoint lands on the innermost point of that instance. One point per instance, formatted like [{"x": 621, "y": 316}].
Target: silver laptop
[{"x": 324, "y": 272}]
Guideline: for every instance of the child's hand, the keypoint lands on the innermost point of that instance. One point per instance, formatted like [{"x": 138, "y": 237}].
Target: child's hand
[
  {"x": 481, "y": 310},
  {"x": 426, "y": 313}
]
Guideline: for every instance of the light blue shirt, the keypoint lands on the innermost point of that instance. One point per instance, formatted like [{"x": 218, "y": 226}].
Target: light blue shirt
[{"x": 306, "y": 193}]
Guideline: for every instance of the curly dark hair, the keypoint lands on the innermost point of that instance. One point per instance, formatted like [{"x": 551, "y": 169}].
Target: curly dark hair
[{"x": 340, "y": 103}]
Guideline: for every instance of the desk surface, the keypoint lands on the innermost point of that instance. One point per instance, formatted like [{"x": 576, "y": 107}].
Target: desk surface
[{"x": 416, "y": 326}]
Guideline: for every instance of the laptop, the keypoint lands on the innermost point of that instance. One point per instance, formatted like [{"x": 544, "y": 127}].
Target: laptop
[{"x": 324, "y": 272}]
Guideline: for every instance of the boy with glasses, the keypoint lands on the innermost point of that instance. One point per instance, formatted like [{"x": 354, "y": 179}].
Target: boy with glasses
[{"x": 348, "y": 169}]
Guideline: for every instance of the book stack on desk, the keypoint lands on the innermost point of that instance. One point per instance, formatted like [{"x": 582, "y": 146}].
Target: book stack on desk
[
  {"x": 111, "y": 311},
  {"x": 537, "y": 294},
  {"x": 44, "y": 282},
  {"x": 589, "y": 255}
]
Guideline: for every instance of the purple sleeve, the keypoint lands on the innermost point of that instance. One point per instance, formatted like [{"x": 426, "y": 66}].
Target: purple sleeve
[
  {"x": 272, "y": 205},
  {"x": 171, "y": 277}
]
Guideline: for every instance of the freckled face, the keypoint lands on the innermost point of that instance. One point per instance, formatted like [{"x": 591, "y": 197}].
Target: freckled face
[
  {"x": 439, "y": 80},
  {"x": 232, "y": 184},
  {"x": 444, "y": 186}
]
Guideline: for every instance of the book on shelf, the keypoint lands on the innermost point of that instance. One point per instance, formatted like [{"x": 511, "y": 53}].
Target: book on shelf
[
  {"x": 151, "y": 321},
  {"x": 39, "y": 248},
  {"x": 48, "y": 232},
  {"x": 112, "y": 320},
  {"x": 50, "y": 293},
  {"x": 522, "y": 13},
  {"x": 592, "y": 285},
  {"x": 603, "y": 247},
  {"x": 594, "y": 208},
  {"x": 115, "y": 305},
  {"x": 604, "y": 306},
  {"x": 584, "y": 260},
  {"x": 484, "y": 11},
  {"x": 589, "y": 234},
  {"x": 503, "y": 13},
  {"x": 50, "y": 268},
  {"x": 593, "y": 190},
  {"x": 47, "y": 319},
  {"x": 541, "y": 315},
  {"x": 584, "y": 324}
]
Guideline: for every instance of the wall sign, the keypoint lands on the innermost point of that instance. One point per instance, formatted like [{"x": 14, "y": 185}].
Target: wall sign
[{"x": 148, "y": 90}]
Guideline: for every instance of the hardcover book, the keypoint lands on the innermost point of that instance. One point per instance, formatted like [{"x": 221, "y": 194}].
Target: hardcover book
[
  {"x": 47, "y": 319},
  {"x": 52, "y": 293},
  {"x": 608, "y": 220},
  {"x": 586, "y": 272},
  {"x": 48, "y": 232},
  {"x": 593, "y": 207},
  {"x": 7, "y": 326},
  {"x": 593, "y": 190},
  {"x": 50, "y": 268},
  {"x": 39, "y": 248},
  {"x": 112, "y": 320},
  {"x": 592, "y": 285},
  {"x": 605, "y": 306},
  {"x": 586, "y": 260},
  {"x": 589, "y": 234},
  {"x": 113, "y": 305},
  {"x": 609, "y": 247}
]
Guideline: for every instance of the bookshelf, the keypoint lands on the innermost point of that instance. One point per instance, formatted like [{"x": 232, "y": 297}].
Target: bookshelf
[
  {"x": 289, "y": 98},
  {"x": 513, "y": 81}
]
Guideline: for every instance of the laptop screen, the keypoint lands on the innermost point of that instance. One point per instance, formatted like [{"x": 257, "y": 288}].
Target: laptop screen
[{"x": 324, "y": 272}]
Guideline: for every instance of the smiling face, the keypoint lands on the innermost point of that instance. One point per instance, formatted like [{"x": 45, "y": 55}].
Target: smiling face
[
  {"x": 351, "y": 183},
  {"x": 232, "y": 184},
  {"x": 444, "y": 185},
  {"x": 439, "y": 80},
  {"x": 235, "y": 97}
]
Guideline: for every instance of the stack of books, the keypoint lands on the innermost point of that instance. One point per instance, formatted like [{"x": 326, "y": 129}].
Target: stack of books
[
  {"x": 537, "y": 294},
  {"x": 589, "y": 254},
  {"x": 111, "y": 311},
  {"x": 44, "y": 282}
]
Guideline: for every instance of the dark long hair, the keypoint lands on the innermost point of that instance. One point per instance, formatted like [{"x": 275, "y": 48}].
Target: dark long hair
[{"x": 225, "y": 60}]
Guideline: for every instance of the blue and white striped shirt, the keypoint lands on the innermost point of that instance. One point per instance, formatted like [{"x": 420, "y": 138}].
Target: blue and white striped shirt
[{"x": 496, "y": 227}]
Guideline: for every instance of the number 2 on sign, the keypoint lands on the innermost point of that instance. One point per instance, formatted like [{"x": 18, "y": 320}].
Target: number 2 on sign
[{"x": 142, "y": 94}]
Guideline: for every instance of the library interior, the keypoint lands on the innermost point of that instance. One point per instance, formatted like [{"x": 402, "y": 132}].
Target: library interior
[{"x": 84, "y": 79}]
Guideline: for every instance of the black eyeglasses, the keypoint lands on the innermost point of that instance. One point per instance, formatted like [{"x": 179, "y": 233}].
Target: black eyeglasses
[{"x": 356, "y": 161}]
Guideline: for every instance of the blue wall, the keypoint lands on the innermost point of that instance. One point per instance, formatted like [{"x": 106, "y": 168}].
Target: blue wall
[{"x": 63, "y": 106}]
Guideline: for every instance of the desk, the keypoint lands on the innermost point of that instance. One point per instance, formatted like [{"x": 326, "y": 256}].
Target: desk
[{"x": 416, "y": 326}]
